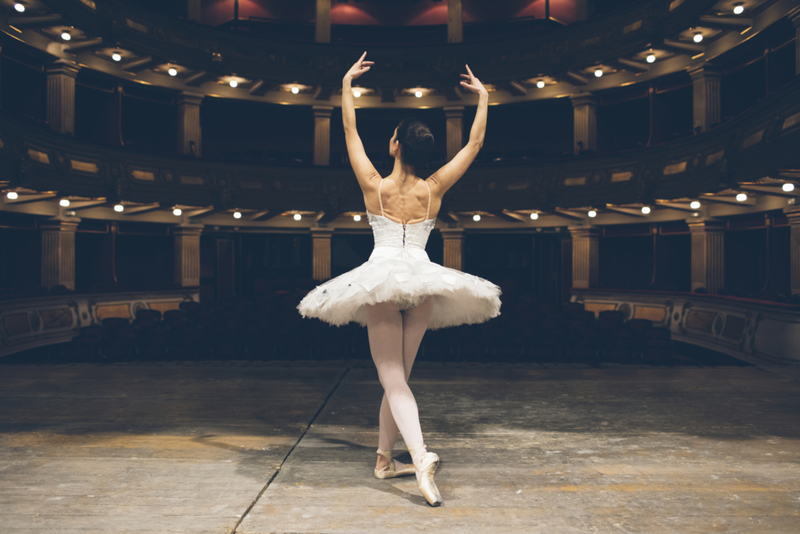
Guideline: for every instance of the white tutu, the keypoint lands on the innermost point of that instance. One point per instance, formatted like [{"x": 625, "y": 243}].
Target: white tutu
[{"x": 399, "y": 270}]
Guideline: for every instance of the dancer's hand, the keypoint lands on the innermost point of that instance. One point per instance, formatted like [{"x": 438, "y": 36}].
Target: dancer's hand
[
  {"x": 359, "y": 68},
  {"x": 472, "y": 83}
]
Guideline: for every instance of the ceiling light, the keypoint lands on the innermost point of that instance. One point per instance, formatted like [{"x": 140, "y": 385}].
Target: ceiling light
[
  {"x": 119, "y": 208},
  {"x": 534, "y": 216},
  {"x": 696, "y": 214},
  {"x": 741, "y": 197},
  {"x": 592, "y": 214},
  {"x": 66, "y": 36},
  {"x": 295, "y": 90},
  {"x": 788, "y": 187},
  {"x": 64, "y": 203},
  {"x": 234, "y": 84},
  {"x": 697, "y": 37},
  {"x": 116, "y": 57},
  {"x": 695, "y": 204},
  {"x": 418, "y": 94},
  {"x": 237, "y": 214},
  {"x": 645, "y": 209},
  {"x": 12, "y": 195},
  {"x": 297, "y": 216},
  {"x": 598, "y": 72},
  {"x": 174, "y": 72},
  {"x": 540, "y": 84},
  {"x": 738, "y": 8},
  {"x": 476, "y": 217},
  {"x": 356, "y": 93},
  {"x": 177, "y": 212},
  {"x": 356, "y": 218},
  {"x": 19, "y": 7},
  {"x": 651, "y": 58}
]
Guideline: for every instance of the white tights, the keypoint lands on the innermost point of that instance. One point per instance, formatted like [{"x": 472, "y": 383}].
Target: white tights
[{"x": 394, "y": 338}]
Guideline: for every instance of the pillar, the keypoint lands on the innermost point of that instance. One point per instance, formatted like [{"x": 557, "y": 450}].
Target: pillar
[
  {"x": 321, "y": 253},
  {"x": 58, "y": 252},
  {"x": 584, "y": 9},
  {"x": 706, "y": 98},
  {"x": 194, "y": 10},
  {"x": 61, "y": 76},
  {"x": 793, "y": 215},
  {"x": 453, "y": 248},
  {"x": 323, "y": 26},
  {"x": 186, "y": 249},
  {"x": 190, "y": 139},
  {"x": 708, "y": 254},
  {"x": 455, "y": 130},
  {"x": 584, "y": 110},
  {"x": 796, "y": 23},
  {"x": 455, "y": 27},
  {"x": 322, "y": 135},
  {"x": 585, "y": 256}
]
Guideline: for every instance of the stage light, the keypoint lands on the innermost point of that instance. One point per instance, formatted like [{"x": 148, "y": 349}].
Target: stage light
[
  {"x": 645, "y": 210},
  {"x": 540, "y": 84},
  {"x": 119, "y": 208},
  {"x": 651, "y": 58},
  {"x": 738, "y": 8},
  {"x": 697, "y": 37},
  {"x": 237, "y": 214},
  {"x": 357, "y": 93},
  {"x": 534, "y": 216},
  {"x": 295, "y": 90},
  {"x": 788, "y": 187},
  {"x": 297, "y": 216},
  {"x": 592, "y": 214},
  {"x": 12, "y": 195},
  {"x": 174, "y": 72},
  {"x": 177, "y": 212},
  {"x": 741, "y": 197},
  {"x": 66, "y": 36},
  {"x": 234, "y": 84},
  {"x": 418, "y": 94},
  {"x": 19, "y": 7},
  {"x": 116, "y": 57},
  {"x": 64, "y": 203},
  {"x": 476, "y": 217},
  {"x": 356, "y": 218},
  {"x": 695, "y": 204},
  {"x": 598, "y": 72}
]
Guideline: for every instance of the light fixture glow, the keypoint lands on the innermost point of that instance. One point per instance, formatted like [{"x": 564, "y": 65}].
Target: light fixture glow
[
  {"x": 697, "y": 37},
  {"x": 788, "y": 187},
  {"x": 66, "y": 36},
  {"x": 534, "y": 216},
  {"x": 741, "y": 197},
  {"x": 64, "y": 203},
  {"x": 592, "y": 214},
  {"x": 19, "y": 7},
  {"x": 177, "y": 212},
  {"x": 645, "y": 210},
  {"x": 476, "y": 217},
  {"x": 357, "y": 93},
  {"x": 174, "y": 72},
  {"x": 651, "y": 58},
  {"x": 356, "y": 218},
  {"x": 116, "y": 57},
  {"x": 295, "y": 90},
  {"x": 234, "y": 84},
  {"x": 696, "y": 214},
  {"x": 119, "y": 208},
  {"x": 237, "y": 214},
  {"x": 540, "y": 84},
  {"x": 695, "y": 204},
  {"x": 297, "y": 216},
  {"x": 738, "y": 8},
  {"x": 418, "y": 94},
  {"x": 598, "y": 72},
  {"x": 12, "y": 195}
]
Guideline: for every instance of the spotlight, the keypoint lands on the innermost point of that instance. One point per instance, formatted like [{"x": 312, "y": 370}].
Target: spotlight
[
  {"x": 738, "y": 8},
  {"x": 598, "y": 72},
  {"x": 237, "y": 214},
  {"x": 741, "y": 197},
  {"x": 645, "y": 209},
  {"x": 295, "y": 90},
  {"x": 119, "y": 208},
  {"x": 177, "y": 212},
  {"x": 174, "y": 72},
  {"x": 476, "y": 217},
  {"x": 12, "y": 195},
  {"x": 116, "y": 57},
  {"x": 234, "y": 84},
  {"x": 534, "y": 216},
  {"x": 695, "y": 204},
  {"x": 297, "y": 216},
  {"x": 651, "y": 58},
  {"x": 788, "y": 187},
  {"x": 697, "y": 37},
  {"x": 64, "y": 203},
  {"x": 540, "y": 84},
  {"x": 592, "y": 214},
  {"x": 66, "y": 36},
  {"x": 418, "y": 94},
  {"x": 356, "y": 218},
  {"x": 19, "y": 7}
]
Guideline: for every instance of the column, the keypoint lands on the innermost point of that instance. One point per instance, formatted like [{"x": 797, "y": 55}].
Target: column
[
  {"x": 584, "y": 9},
  {"x": 453, "y": 248},
  {"x": 705, "y": 95},
  {"x": 584, "y": 110},
  {"x": 455, "y": 130},
  {"x": 455, "y": 27},
  {"x": 323, "y": 26},
  {"x": 585, "y": 256},
  {"x": 190, "y": 139},
  {"x": 186, "y": 249},
  {"x": 321, "y": 253},
  {"x": 194, "y": 10},
  {"x": 796, "y": 23},
  {"x": 793, "y": 214},
  {"x": 58, "y": 252},
  {"x": 61, "y": 76},
  {"x": 322, "y": 135},
  {"x": 708, "y": 254}
]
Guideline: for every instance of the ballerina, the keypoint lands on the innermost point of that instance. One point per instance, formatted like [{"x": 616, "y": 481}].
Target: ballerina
[{"x": 399, "y": 293}]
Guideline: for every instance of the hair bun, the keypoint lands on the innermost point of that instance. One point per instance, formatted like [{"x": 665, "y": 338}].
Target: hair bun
[{"x": 416, "y": 140}]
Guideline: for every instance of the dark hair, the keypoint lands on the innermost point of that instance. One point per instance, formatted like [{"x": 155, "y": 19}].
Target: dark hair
[{"x": 416, "y": 141}]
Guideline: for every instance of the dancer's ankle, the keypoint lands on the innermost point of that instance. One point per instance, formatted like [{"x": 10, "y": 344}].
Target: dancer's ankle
[{"x": 417, "y": 450}]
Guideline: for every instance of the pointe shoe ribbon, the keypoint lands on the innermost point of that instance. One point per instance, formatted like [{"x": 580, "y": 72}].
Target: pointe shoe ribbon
[
  {"x": 426, "y": 464},
  {"x": 390, "y": 470}
]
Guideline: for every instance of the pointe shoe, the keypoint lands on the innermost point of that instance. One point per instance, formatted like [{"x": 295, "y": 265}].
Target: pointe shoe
[
  {"x": 426, "y": 464},
  {"x": 389, "y": 471}
]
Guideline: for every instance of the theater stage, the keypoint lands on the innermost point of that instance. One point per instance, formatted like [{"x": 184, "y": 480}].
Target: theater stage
[{"x": 289, "y": 448}]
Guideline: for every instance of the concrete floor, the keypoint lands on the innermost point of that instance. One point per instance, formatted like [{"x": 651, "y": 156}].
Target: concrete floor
[{"x": 289, "y": 448}]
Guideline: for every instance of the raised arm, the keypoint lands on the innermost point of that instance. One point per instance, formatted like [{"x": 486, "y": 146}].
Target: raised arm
[
  {"x": 362, "y": 166},
  {"x": 447, "y": 176}
]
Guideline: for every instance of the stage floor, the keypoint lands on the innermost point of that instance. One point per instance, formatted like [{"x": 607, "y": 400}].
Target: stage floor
[{"x": 289, "y": 448}]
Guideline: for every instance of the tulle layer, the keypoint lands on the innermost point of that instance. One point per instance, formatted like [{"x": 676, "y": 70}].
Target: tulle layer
[{"x": 459, "y": 298}]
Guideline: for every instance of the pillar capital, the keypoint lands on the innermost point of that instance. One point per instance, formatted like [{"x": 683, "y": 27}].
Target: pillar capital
[
  {"x": 705, "y": 224},
  {"x": 190, "y": 98},
  {"x": 585, "y": 231},
  {"x": 704, "y": 70},
  {"x": 321, "y": 232},
  {"x": 583, "y": 99},
  {"x": 795, "y": 20},
  {"x": 792, "y": 213},
  {"x": 60, "y": 224},
  {"x": 454, "y": 112},
  {"x": 63, "y": 67},
  {"x": 322, "y": 111},
  {"x": 187, "y": 229}
]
